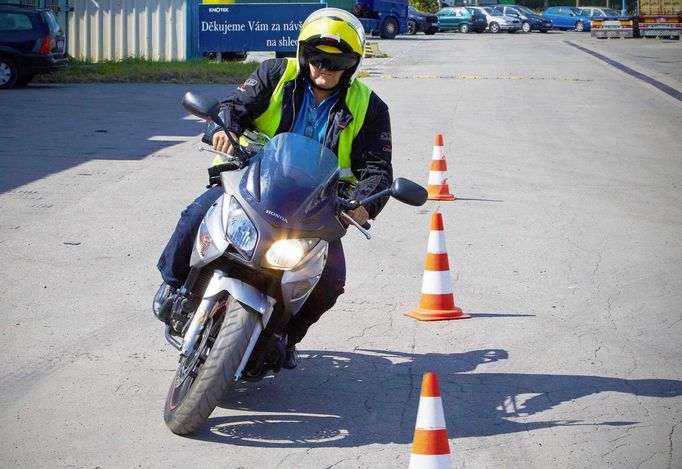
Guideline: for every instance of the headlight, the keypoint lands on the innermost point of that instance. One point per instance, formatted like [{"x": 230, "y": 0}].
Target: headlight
[
  {"x": 285, "y": 254},
  {"x": 240, "y": 230}
]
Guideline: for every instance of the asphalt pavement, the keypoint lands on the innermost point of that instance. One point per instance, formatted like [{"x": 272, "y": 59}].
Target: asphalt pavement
[{"x": 564, "y": 246}]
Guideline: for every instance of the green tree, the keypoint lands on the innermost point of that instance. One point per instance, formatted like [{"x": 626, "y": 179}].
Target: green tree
[{"x": 425, "y": 5}]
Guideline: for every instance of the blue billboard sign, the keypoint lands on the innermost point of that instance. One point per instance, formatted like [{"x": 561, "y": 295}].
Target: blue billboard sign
[{"x": 252, "y": 26}]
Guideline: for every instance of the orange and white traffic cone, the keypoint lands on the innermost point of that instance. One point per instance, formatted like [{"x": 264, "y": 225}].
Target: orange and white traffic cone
[
  {"x": 438, "y": 176},
  {"x": 431, "y": 448},
  {"x": 437, "y": 302}
]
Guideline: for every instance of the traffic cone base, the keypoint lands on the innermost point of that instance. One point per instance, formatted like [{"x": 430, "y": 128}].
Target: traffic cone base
[
  {"x": 446, "y": 196},
  {"x": 437, "y": 315}
]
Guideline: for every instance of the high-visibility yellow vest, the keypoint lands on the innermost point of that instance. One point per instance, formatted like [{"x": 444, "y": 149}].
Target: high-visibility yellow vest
[{"x": 357, "y": 101}]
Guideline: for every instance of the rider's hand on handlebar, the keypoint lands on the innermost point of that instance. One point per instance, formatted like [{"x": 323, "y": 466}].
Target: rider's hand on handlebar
[
  {"x": 359, "y": 214},
  {"x": 222, "y": 143}
]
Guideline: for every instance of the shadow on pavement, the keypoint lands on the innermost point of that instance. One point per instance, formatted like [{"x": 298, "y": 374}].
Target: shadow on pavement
[
  {"x": 51, "y": 128},
  {"x": 340, "y": 399}
]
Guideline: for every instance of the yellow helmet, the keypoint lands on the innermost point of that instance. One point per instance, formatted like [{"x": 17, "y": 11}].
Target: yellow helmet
[{"x": 332, "y": 35}]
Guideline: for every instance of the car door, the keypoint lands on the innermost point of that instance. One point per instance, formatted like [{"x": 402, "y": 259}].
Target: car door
[
  {"x": 448, "y": 19},
  {"x": 564, "y": 19},
  {"x": 461, "y": 16}
]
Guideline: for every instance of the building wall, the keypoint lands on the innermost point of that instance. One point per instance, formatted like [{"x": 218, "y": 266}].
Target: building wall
[{"x": 117, "y": 29}]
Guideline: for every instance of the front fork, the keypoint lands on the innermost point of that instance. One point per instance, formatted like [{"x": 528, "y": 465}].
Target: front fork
[{"x": 244, "y": 293}]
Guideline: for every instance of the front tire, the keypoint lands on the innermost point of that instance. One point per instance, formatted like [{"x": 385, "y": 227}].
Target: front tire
[
  {"x": 389, "y": 29},
  {"x": 411, "y": 27},
  {"x": 464, "y": 28},
  {"x": 494, "y": 28},
  {"x": 202, "y": 378},
  {"x": 525, "y": 27},
  {"x": 580, "y": 26}
]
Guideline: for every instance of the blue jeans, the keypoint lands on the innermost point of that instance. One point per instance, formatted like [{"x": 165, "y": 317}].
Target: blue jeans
[
  {"x": 174, "y": 266},
  {"x": 174, "y": 261}
]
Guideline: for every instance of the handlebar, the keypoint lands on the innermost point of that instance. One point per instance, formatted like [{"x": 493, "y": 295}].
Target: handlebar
[{"x": 363, "y": 228}]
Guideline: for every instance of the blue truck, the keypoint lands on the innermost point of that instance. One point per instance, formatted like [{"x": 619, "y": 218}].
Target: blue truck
[{"x": 385, "y": 18}]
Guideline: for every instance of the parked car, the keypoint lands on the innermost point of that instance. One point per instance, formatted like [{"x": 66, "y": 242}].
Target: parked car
[
  {"x": 31, "y": 43},
  {"x": 421, "y": 21},
  {"x": 460, "y": 19},
  {"x": 600, "y": 12},
  {"x": 567, "y": 18},
  {"x": 499, "y": 23},
  {"x": 530, "y": 21}
]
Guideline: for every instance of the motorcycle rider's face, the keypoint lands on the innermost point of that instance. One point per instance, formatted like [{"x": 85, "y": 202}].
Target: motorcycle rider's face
[{"x": 323, "y": 78}]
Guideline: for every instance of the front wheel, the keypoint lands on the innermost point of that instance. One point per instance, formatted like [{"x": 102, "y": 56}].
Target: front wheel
[
  {"x": 525, "y": 27},
  {"x": 202, "y": 377},
  {"x": 389, "y": 29},
  {"x": 580, "y": 26},
  {"x": 464, "y": 28},
  {"x": 411, "y": 27},
  {"x": 494, "y": 28}
]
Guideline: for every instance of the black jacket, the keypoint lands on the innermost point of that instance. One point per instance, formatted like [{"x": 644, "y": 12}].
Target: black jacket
[{"x": 371, "y": 152}]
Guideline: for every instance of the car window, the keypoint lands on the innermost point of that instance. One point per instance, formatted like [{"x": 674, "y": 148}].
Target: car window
[
  {"x": 610, "y": 12},
  {"x": 15, "y": 22},
  {"x": 51, "y": 21},
  {"x": 525, "y": 10}
]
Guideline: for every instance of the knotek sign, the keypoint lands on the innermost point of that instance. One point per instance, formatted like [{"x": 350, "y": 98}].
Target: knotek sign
[{"x": 252, "y": 27}]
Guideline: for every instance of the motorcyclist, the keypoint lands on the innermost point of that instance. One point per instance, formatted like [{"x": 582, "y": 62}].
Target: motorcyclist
[{"x": 315, "y": 94}]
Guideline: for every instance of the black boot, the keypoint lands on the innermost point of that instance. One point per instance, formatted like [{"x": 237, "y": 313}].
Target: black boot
[
  {"x": 292, "y": 359},
  {"x": 163, "y": 302}
]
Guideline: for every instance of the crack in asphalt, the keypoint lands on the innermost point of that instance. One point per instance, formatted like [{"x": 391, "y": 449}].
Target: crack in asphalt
[{"x": 670, "y": 446}]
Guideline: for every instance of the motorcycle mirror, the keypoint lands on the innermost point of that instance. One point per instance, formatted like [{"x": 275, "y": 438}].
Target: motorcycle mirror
[
  {"x": 204, "y": 107},
  {"x": 408, "y": 192}
]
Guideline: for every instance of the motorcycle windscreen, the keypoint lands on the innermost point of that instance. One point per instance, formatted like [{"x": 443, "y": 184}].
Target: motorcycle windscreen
[{"x": 292, "y": 183}]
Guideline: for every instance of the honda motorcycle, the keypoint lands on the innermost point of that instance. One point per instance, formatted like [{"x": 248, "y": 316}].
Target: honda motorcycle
[{"x": 259, "y": 252}]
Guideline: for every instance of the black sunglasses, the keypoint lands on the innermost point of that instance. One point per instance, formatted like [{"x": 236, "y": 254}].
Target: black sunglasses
[{"x": 332, "y": 62}]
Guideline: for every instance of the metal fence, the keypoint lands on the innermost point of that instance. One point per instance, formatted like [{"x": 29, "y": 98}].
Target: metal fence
[
  {"x": 100, "y": 30},
  {"x": 117, "y": 29}
]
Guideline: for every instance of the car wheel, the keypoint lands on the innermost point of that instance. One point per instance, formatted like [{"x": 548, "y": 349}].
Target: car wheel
[
  {"x": 233, "y": 56},
  {"x": 389, "y": 29},
  {"x": 580, "y": 26},
  {"x": 494, "y": 27},
  {"x": 8, "y": 73},
  {"x": 411, "y": 27},
  {"x": 464, "y": 28},
  {"x": 525, "y": 27},
  {"x": 23, "y": 80}
]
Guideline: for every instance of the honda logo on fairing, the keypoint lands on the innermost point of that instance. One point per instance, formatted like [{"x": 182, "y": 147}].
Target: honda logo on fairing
[{"x": 277, "y": 215}]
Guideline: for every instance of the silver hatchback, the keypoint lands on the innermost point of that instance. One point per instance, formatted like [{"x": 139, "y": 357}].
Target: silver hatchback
[{"x": 498, "y": 22}]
